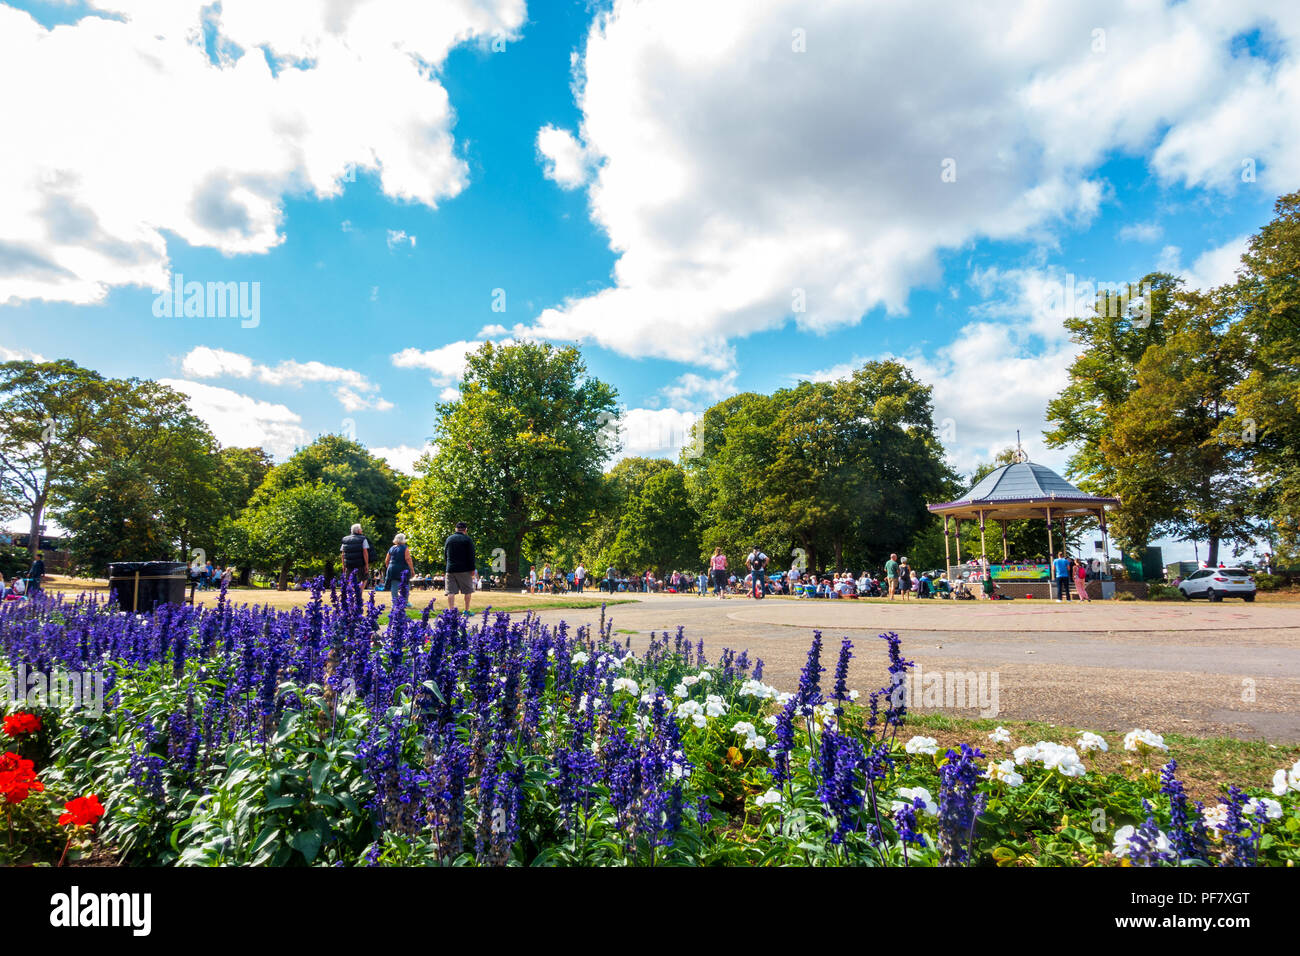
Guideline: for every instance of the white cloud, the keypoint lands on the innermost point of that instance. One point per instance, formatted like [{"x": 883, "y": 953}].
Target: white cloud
[
  {"x": 1141, "y": 232},
  {"x": 127, "y": 130},
  {"x": 397, "y": 236},
  {"x": 566, "y": 161},
  {"x": 1213, "y": 267},
  {"x": 742, "y": 183},
  {"x": 692, "y": 390},
  {"x": 652, "y": 433},
  {"x": 354, "y": 391},
  {"x": 240, "y": 420},
  {"x": 446, "y": 362},
  {"x": 19, "y": 355},
  {"x": 403, "y": 457}
]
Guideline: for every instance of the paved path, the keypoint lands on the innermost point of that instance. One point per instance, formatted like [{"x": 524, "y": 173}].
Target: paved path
[{"x": 1228, "y": 669}]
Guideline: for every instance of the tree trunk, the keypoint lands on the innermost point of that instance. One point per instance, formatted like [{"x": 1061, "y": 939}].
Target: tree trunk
[
  {"x": 34, "y": 538},
  {"x": 1213, "y": 560},
  {"x": 839, "y": 555},
  {"x": 515, "y": 548},
  {"x": 284, "y": 575},
  {"x": 329, "y": 571}
]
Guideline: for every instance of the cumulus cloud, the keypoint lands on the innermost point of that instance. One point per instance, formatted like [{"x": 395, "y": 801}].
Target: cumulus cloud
[
  {"x": 354, "y": 391},
  {"x": 19, "y": 355},
  {"x": 565, "y": 160},
  {"x": 652, "y": 433},
  {"x": 768, "y": 160},
  {"x": 240, "y": 420},
  {"x": 128, "y": 128},
  {"x": 446, "y": 362},
  {"x": 1213, "y": 267},
  {"x": 403, "y": 457},
  {"x": 1141, "y": 232}
]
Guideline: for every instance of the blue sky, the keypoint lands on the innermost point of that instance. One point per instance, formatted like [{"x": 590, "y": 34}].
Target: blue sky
[{"x": 656, "y": 182}]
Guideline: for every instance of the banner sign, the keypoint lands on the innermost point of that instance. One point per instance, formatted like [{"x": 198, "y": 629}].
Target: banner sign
[{"x": 1019, "y": 572}]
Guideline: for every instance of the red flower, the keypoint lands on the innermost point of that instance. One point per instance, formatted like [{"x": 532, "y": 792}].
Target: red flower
[
  {"x": 82, "y": 812},
  {"x": 21, "y": 723},
  {"x": 17, "y": 778}
]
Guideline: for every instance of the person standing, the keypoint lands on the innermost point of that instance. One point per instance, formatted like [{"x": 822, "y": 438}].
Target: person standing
[
  {"x": 458, "y": 552},
  {"x": 1061, "y": 571},
  {"x": 579, "y": 576},
  {"x": 904, "y": 580},
  {"x": 611, "y": 575},
  {"x": 891, "y": 574},
  {"x": 1081, "y": 581},
  {"x": 756, "y": 562},
  {"x": 546, "y": 578},
  {"x": 718, "y": 566},
  {"x": 356, "y": 559},
  {"x": 397, "y": 560},
  {"x": 36, "y": 576}
]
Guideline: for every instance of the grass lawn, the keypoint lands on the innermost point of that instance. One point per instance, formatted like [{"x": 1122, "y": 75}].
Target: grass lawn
[
  {"x": 513, "y": 603},
  {"x": 1206, "y": 765}
]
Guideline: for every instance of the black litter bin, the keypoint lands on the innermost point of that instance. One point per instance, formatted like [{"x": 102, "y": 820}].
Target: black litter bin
[{"x": 143, "y": 585}]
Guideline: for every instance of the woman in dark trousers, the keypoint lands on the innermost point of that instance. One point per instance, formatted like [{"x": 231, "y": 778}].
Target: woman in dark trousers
[{"x": 397, "y": 561}]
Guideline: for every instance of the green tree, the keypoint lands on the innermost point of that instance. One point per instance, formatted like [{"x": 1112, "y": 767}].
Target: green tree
[
  {"x": 1112, "y": 342},
  {"x": 657, "y": 525},
  {"x": 519, "y": 452},
  {"x": 365, "y": 480},
  {"x": 296, "y": 526},
  {"x": 832, "y": 473},
  {"x": 1265, "y": 421},
  {"x": 51, "y": 420}
]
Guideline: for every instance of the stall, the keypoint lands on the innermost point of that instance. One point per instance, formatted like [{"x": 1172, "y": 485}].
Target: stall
[{"x": 1016, "y": 491}]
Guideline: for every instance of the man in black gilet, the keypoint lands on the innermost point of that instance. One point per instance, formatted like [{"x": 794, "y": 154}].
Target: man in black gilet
[{"x": 356, "y": 558}]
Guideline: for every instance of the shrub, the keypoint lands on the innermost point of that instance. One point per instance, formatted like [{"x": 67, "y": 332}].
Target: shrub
[
  {"x": 1125, "y": 596},
  {"x": 1269, "y": 582},
  {"x": 1163, "y": 592}
]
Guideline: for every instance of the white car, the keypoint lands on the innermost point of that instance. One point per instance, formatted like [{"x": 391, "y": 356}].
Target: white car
[{"x": 1216, "y": 584}]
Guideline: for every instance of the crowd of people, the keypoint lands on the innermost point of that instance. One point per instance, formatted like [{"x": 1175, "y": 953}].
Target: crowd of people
[{"x": 18, "y": 588}]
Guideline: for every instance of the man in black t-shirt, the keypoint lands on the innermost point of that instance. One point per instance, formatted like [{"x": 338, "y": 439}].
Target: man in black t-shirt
[
  {"x": 356, "y": 558},
  {"x": 35, "y": 576},
  {"x": 459, "y": 553}
]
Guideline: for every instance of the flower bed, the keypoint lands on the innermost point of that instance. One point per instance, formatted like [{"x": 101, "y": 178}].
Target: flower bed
[{"x": 243, "y": 735}]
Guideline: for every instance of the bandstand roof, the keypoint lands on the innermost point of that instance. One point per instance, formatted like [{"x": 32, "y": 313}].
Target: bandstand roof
[{"x": 1023, "y": 489}]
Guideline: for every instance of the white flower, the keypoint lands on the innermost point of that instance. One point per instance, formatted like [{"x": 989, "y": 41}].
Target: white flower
[
  {"x": 1144, "y": 740},
  {"x": 770, "y": 720},
  {"x": 689, "y": 708},
  {"x": 680, "y": 690},
  {"x": 772, "y": 796},
  {"x": 1000, "y": 736},
  {"x": 922, "y": 745},
  {"x": 714, "y": 706},
  {"x": 756, "y": 743},
  {"x": 1124, "y": 841},
  {"x": 627, "y": 684},
  {"x": 913, "y": 793},
  {"x": 853, "y": 695},
  {"x": 784, "y": 698},
  {"x": 1285, "y": 780},
  {"x": 754, "y": 688},
  {"x": 1052, "y": 756},
  {"x": 1271, "y": 809},
  {"x": 744, "y": 728},
  {"x": 1004, "y": 772},
  {"x": 699, "y": 720},
  {"x": 705, "y": 676},
  {"x": 580, "y": 658},
  {"x": 1090, "y": 741},
  {"x": 596, "y": 703},
  {"x": 1216, "y": 817},
  {"x": 690, "y": 680},
  {"x": 1024, "y": 755}
]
